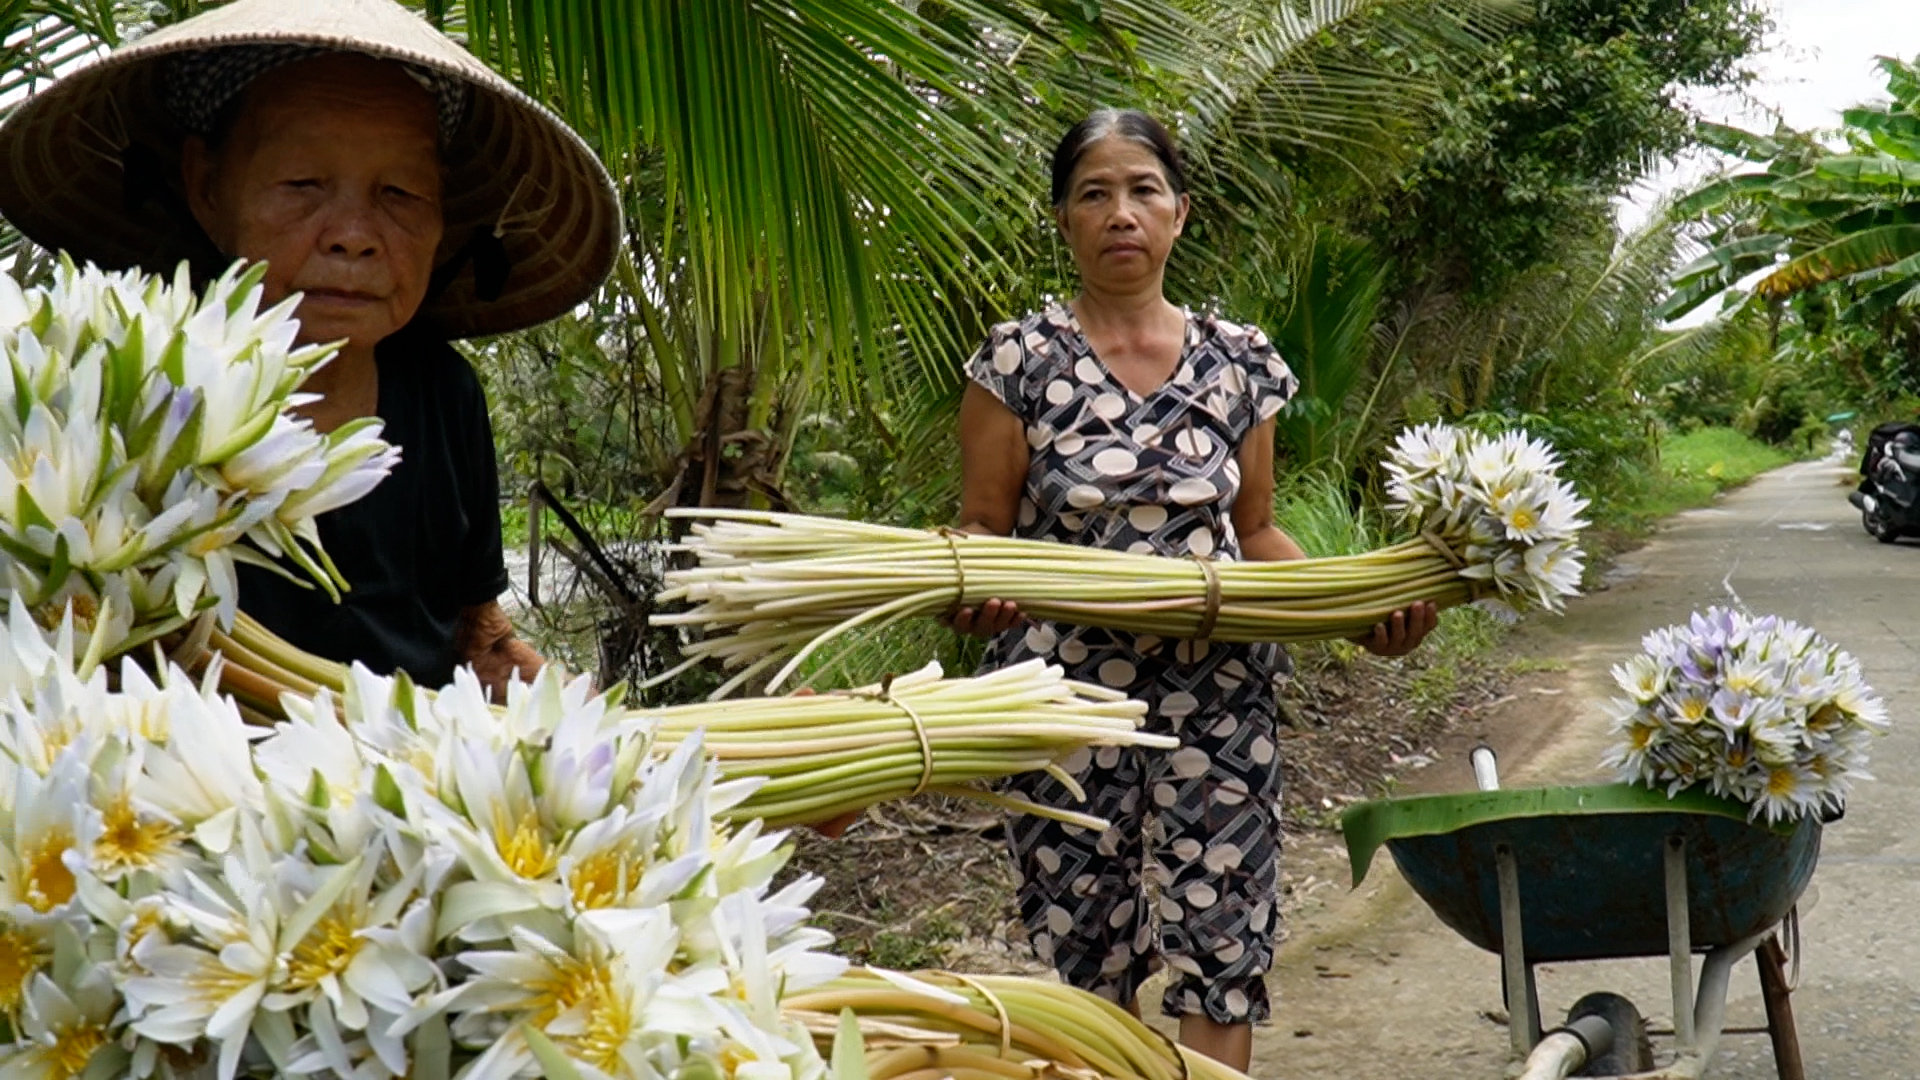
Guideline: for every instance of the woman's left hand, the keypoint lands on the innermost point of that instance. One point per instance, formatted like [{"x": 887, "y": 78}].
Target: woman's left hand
[{"x": 1402, "y": 632}]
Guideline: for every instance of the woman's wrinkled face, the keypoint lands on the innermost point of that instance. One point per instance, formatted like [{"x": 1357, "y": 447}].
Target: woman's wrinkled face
[
  {"x": 1121, "y": 215},
  {"x": 331, "y": 175}
]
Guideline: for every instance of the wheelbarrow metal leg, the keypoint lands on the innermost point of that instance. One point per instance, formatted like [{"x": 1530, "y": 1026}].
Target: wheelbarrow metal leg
[
  {"x": 1679, "y": 941},
  {"x": 1523, "y": 1026},
  {"x": 1779, "y": 1001}
]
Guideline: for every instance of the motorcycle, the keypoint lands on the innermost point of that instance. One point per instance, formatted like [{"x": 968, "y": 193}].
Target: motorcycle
[{"x": 1889, "y": 493}]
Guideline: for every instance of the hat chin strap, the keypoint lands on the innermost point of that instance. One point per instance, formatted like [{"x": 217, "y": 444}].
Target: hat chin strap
[
  {"x": 491, "y": 267},
  {"x": 143, "y": 181}
]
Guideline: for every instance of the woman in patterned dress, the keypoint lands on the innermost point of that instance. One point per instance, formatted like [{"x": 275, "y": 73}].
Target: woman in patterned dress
[{"x": 1122, "y": 421}]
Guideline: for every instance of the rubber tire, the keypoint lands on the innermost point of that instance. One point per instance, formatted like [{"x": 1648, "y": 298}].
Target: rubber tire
[
  {"x": 1632, "y": 1051},
  {"x": 1878, "y": 527}
]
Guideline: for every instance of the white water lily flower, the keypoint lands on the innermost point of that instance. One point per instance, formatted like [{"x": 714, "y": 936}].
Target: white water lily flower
[
  {"x": 185, "y": 993},
  {"x": 408, "y": 881},
  {"x": 612, "y": 1002},
  {"x": 355, "y": 460},
  {"x": 48, "y": 840},
  {"x": 367, "y": 951},
  {"x": 67, "y": 1031},
  {"x": 289, "y": 457},
  {"x": 203, "y": 779},
  {"x": 132, "y": 841},
  {"x": 1644, "y": 678}
]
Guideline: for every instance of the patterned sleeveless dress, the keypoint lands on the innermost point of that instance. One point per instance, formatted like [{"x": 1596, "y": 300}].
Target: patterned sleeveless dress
[{"x": 1157, "y": 474}]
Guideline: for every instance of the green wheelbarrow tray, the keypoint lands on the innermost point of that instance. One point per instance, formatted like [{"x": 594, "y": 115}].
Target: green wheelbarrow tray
[{"x": 1590, "y": 865}]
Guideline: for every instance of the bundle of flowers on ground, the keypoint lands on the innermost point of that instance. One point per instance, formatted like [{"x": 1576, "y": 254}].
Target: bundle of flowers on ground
[
  {"x": 147, "y": 433},
  {"x": 430, "y": 887},
  {"x": 1758, "y": 709},
  {"x": 1494, "y": 523}
]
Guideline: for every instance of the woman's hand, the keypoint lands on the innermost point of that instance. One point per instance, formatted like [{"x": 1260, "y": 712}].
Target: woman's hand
[
  {"x": 1402, "y": 632},
  {"x": 832, "y": 828},
  {"x": 989, "y": 620}
]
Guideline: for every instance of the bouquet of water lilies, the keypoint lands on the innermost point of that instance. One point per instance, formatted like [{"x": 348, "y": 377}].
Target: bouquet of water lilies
[
  {"x": 404, "y": 884},
  {"x": 147, "y": 432},
  {"x": 1758, "y": 709},
  {"x": 430, "y": 887},
  {"x": 1493, "y": 522},
  {"x": 1498, "y": 503}
]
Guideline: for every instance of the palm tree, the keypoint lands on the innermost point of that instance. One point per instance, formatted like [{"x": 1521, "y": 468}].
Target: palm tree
[{"x": 834, "y": 197}]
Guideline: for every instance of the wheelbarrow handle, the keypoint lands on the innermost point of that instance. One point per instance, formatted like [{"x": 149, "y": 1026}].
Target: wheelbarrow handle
[{"x": 1486, "y": 768}]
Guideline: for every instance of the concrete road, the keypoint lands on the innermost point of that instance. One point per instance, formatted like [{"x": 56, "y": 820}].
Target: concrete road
[{"x": 1373, "y": 987}]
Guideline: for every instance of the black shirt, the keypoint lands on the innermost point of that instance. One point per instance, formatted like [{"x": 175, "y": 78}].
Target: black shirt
[{"x": 422, "y": 545}]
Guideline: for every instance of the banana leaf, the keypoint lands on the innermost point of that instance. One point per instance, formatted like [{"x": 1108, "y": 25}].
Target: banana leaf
[
  {"x": 1844, "y": 258},
  {"x": 1747, "y": 145},
  {"x": 1370, "y": 825},
  {"x": 1891, "y": 133},
  {"x": 1879, "y": 171}
]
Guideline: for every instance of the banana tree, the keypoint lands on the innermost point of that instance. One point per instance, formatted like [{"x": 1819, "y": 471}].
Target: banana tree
[{"x": 1815, "y": 216}]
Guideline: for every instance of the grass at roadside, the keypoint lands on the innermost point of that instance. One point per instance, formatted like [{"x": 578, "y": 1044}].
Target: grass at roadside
[
  {"x": 1693, "y": 468},
  {"x": 1719, "y": 456}
]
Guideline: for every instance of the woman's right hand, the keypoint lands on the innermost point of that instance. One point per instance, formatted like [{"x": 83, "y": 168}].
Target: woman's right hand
[{"x": 988, "y": 620}]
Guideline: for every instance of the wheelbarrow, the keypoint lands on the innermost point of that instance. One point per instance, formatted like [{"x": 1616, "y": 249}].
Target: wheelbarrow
[{"x": 1557, "y": 875}]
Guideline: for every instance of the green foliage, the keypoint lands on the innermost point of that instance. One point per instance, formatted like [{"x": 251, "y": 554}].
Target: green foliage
[
  {"x": 1722, "y": 456},
  {"x": 1324, "y": 516},
  {"x": 1326, "y": 328},
  {"x": 1568, "y": 110}
]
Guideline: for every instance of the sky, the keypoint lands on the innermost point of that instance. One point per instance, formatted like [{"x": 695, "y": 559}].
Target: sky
[{"x": 1819, "y": 61}]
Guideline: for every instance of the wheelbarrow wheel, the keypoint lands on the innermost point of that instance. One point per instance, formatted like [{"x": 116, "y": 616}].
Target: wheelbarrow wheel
[{"x": 1631, "y": 1052}]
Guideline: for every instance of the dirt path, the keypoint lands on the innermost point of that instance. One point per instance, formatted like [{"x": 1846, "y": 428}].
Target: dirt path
[{"x": 1372, "y": 987}]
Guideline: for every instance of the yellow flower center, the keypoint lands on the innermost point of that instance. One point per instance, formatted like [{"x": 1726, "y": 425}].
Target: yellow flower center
[
  {"x": 1524, "y": 518},
  {"x": 326, "y": 950},
  {"x": 72, "y": 1050},
  {"x": 48, "y": 883},
  {"x": 591, "y": 989},
  {"x": 1782, "y": 782},
  {"x": 49, "y": 614},
  {"x": 523, "y": 846},
  {"x": 1693, "y": 710},
  {"x": 216, "y": 982},
  {"x": 19, "y": 959},
  {"x": 602, "y": 879},
  {"x": 128, "y": 843},
  {"x": 1642, "y": 735}
]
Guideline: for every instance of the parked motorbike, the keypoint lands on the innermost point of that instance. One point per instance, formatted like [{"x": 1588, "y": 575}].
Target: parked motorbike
[{"x": 1889, "y": 493}]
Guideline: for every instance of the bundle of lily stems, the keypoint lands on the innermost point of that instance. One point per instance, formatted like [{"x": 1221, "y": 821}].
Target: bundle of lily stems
[
  {"x": 1491, "y": 519},
  {"x": 818, "y": 756},
  {"x": 946, "y": 1026}
]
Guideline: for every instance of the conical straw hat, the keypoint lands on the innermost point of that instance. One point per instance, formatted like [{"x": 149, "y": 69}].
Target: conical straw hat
[{"x": 90, "y": 165}]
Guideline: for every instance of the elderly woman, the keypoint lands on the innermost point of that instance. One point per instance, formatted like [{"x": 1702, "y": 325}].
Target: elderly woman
[
  {"x": 1119, "y": 420},
  {"x": 409, "y": 196}
]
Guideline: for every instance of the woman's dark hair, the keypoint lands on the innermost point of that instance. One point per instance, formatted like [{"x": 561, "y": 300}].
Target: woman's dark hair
[{"x": 1122, "y": 123}]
